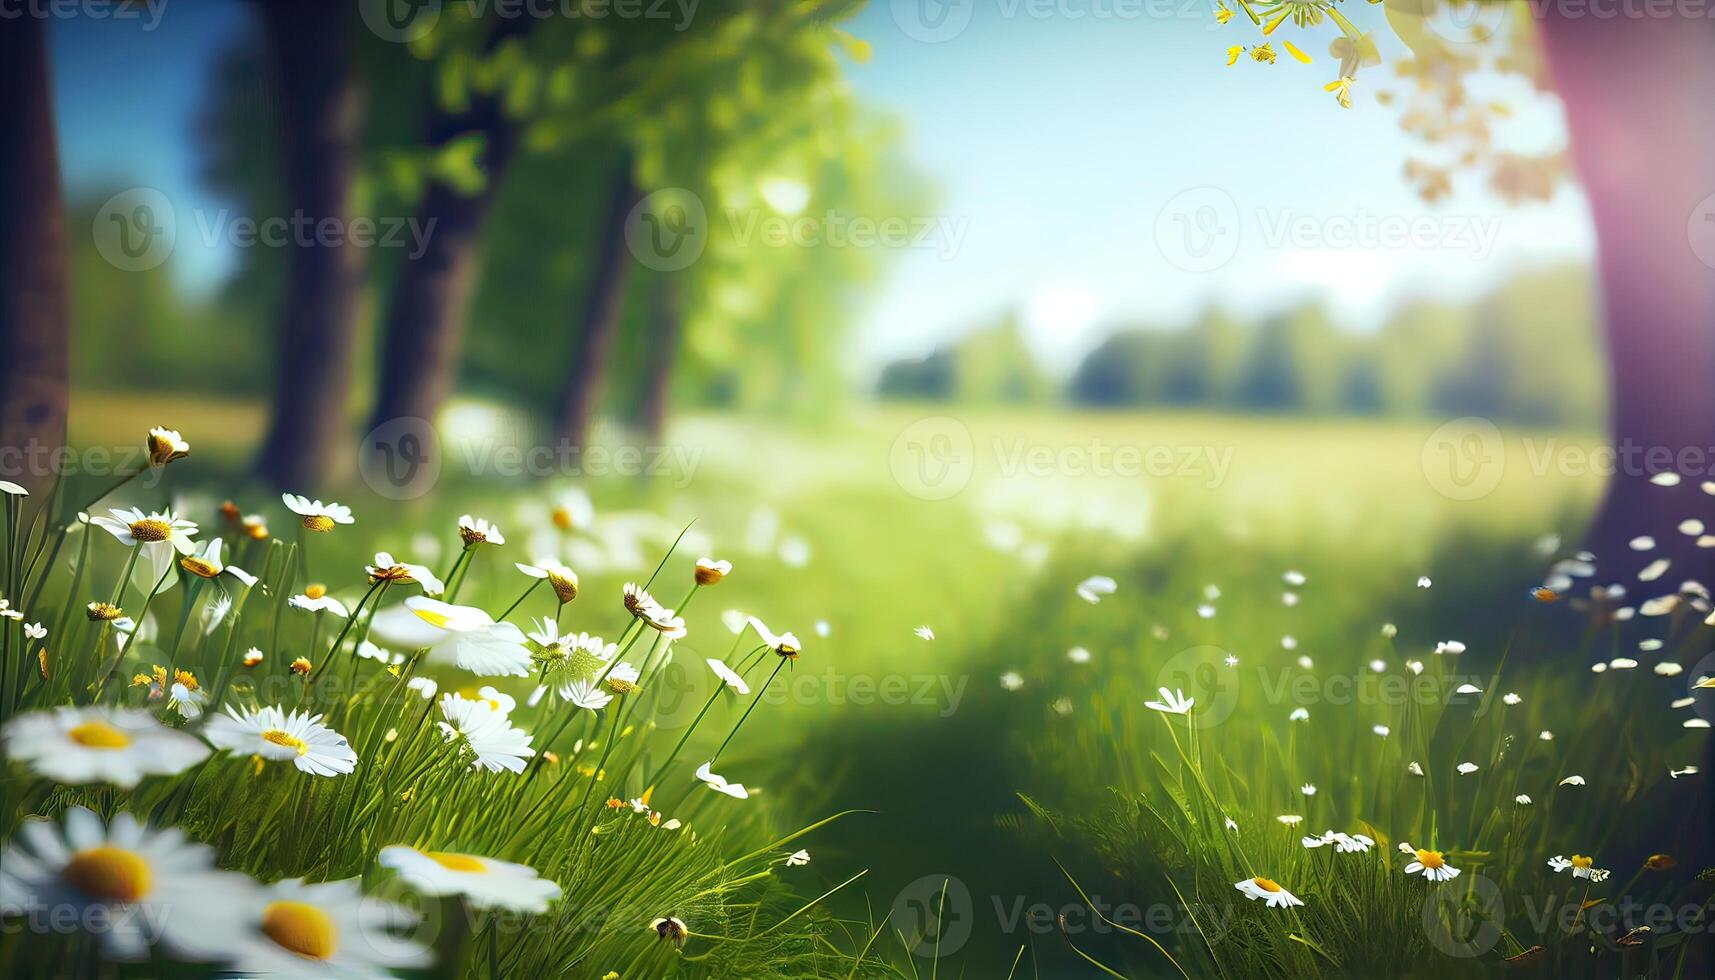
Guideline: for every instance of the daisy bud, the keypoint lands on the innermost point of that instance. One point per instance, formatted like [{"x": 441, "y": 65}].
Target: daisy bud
[
  {"x": 301, "y": 666},
  {"x": 710, "y": 571},
  {"x": 104, "y": 612},
  {"x": 166, "y": 445}
]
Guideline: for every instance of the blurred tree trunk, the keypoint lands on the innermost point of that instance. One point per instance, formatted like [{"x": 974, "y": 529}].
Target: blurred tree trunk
[
  {"x": 431, "y": 295},
  {"x": 1636, "y": 93},
  {"x": 661, "y": 354},
  {"x": 602, "y": 305},
  {"x": 35, "y": 312},
  {"x": 320, "y": 111}
]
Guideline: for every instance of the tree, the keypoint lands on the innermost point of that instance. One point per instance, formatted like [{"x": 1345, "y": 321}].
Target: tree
[
  {"x": 34, "y": 292},
  {"x": 600, "y": 310},
  {"x": 321, "y": 119},
  {"x": 1636, "y": 97},
  {"x": 424, "y": 327}
]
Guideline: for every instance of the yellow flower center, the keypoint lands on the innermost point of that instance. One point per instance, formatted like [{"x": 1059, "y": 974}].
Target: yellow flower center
[
  {"x": 185, "y": 677},
  {"x": 565, "y": 588},
  {"x": 1430, "y": 859},
  {"x": 110, "y": 874},
  {"x": 149, "y": 530},
  {"x": 315, "y": 591},
  {"x": 1581, "y": 861},
  {"x": 99, "y": 735},
  {"x": 619, "y": 685},
  {"x": 279, "y": 736},
  {"x": 202, "y": 568},
  {"x": 302, "y": 928},
  {"x": 1266, "y": 884},
  {"x": 318, "y": 522},
  {"x": 104, "y": 612},
  {"x": 562, "y": 518},
  {"x": 458, "y": 862},
  {"x": 472, "y": 536}
]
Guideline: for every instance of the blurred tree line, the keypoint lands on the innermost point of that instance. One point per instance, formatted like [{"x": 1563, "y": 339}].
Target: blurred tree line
[
  {"x": 1527, "y": 352},
  {"x": 528, "y": 142}
]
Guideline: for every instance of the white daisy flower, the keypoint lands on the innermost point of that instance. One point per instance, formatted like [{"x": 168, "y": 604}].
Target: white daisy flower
[
  {"x": 1423, "y": 582},
  {"x": 718, "y": 783},
  {"x": 382, "y": 655},
  {"x": 1231, "y": 661},
  {"x": 1432, "y": 865},
  {"x": 1353, "y": 843},
  {"x": 424, "y": 686},
  {"x": 798, "y": 859},
  {"x": 1269, "y": 891},
  {"x": 572, "y": 511},
  {"x": 482, "y": 727},
  {"x": 710, "y": 572},
  {"x": 1382, "y": 730},
  {"x": 581, "y": 693},
  {"x": 1466, "y": 768},
  {"x": 1572, "y": 781},
  {"x": 35, "y": 631},
  {"x": 1522, "y": 799},
  {"x": 731, "y": 678},
  {"x": 651, "y": 613},
  {"x": 560, "y": 578},
  {"x": 1093, "y": 588},
  {"x": 315, "y": 598},
  {"x": 206, "y": 563},
  {"x": 1511, "y": 698},
  {"x": 1314, "y": 841},
  {"x": 13, "y": 489},
  {"x": 273, "y": 734},
  {"x": 476, "y": 530},
  {"x": 471, "y": 639},
  {"x": 1290, "y": 819},
  {"x": 1299, "y": 714},
  {"x": 1012, "y": 680},
  {"x": 389, "y": 569},
  {"x": 1414, "y": 767},
  {"x": 786, "y": 644},
  {"x": 316, "y": 515},
  {"x": 1308, "y": 789},
  {"x": 145, "y": 886},
  {"x": 99, "y": 744},
  {"x": 166, "y": 445},
  {"x": 672, "y": 930},
  {"x": 1415, "y": 666},
  {"x": 133, "y": 527},
  {"x": 1172, "y": 702},
  {"x": 1078, "y": 655},
  {"x": 622, "y": 679},
  {"x": 486, "y": 882},
  {"x": 329, "y": 929}
]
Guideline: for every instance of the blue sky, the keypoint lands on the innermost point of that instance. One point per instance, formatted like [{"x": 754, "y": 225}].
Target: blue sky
[{"x": 1060, "y": 135}]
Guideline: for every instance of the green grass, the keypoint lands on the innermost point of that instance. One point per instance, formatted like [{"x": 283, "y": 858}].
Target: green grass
[{"x": 1037, "y": 801}]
